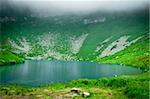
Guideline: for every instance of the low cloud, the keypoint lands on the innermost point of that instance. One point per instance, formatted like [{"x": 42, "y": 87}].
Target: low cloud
[{"x": 78, "y": 6}]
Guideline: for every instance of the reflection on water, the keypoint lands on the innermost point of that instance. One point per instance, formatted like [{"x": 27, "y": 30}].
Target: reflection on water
[{"x": 43, "y": 72}]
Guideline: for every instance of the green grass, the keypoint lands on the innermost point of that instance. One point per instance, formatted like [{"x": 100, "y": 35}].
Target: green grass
[
  {"x": 116, "y": 25},
  {"x": 7, "y": 57},
  {"x": 135, "y": 55},
  {"x": 122, "y": 87},
  {"x": 133, "y": 24}
]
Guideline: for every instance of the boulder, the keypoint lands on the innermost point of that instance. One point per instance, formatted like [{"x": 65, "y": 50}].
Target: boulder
[
  {"x": 116, "y": 75},
  {"x": 85, "y": 94},
  {"x": 75, "y": 90}
]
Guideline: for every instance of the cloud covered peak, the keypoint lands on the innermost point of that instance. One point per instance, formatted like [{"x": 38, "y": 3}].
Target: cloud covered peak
[{"x": 77, "y": 6}]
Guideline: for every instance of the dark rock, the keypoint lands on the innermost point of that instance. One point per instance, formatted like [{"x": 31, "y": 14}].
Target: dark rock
[{"x": 75, "y": 90}]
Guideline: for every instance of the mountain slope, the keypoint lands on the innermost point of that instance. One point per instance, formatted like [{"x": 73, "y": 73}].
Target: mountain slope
[
  {"x": 136, "y": 55},
  {"x": 7, "y": 57},
  {"x": 73, "y": 37}
]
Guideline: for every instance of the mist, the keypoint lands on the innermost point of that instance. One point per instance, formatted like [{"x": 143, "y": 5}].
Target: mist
[{"x": 58, "y": 7}]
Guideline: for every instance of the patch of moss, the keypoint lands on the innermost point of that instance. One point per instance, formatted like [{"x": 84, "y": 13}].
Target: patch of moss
[{"x": 7, "y": 58}]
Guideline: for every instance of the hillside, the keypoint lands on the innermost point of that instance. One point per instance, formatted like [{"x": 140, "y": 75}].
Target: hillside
[
  {"x": 122, "y": 87},
  {"x": 74, "y": 50},
  {"x": 135, "y": 55},
  {"x": 73, "y": 37},
  {"x": 7, "y": 57}
]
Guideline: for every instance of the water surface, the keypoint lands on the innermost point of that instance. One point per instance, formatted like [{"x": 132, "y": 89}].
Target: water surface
[{"x": 43, "y": 72}]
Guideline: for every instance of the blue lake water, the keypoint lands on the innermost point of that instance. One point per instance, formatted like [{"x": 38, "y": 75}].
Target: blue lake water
[{"x": 43, "y": 72}]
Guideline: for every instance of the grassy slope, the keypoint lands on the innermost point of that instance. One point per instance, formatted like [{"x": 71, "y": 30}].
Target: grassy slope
[
  {"x": 123, "y": 87},
  {"x": 115, "y": 29},
  {"x": 136, "y": 55},
  {"x": 7, "y": 57},
  {"x": 117, "y": 87},
  {"x": 108, "y": 88},
  {"x": 116, "y": 25}
]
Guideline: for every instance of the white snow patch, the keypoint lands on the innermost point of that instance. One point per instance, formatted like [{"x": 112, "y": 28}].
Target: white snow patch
[
  {"x": 77, "y": 42},
  {"x": 97, "y": 20},
  {"x": 35, "y": 57},
  {"x": 106, "y": 40},
  {"x": 101, "y": 44},
  {"x": 48, "y": 40},
  {"x": 22, "y": 47},
  {"x": 117, "y": 46},
  {"x": 133, "y": 41},
  {"x": 98, "y": 48},
  {"x": 7, "y": 19}
]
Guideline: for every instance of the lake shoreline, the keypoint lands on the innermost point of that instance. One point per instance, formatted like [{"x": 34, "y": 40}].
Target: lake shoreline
[
  {"x": 105, "y": 84},
  {"x": 121, "y": 86},
  {"x": 42, "y": 72},
  {"x": 133, "y": 86}
]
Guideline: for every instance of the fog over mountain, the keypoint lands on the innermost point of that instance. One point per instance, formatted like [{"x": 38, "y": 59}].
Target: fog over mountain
[
  {"x": 72, "y": 30},
  {"x": 57, "y": 7}
]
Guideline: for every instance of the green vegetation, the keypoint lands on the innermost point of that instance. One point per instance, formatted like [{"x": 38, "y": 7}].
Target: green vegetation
[
  {"x": 122, "y": 87},
  {"x": 111, "y": 88},
  {"x": 7, "y": 57},
  {"x": 54, "y": 33},
  {"x": 31, "y": 35},
  {"x": 135, "y": 55}
]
